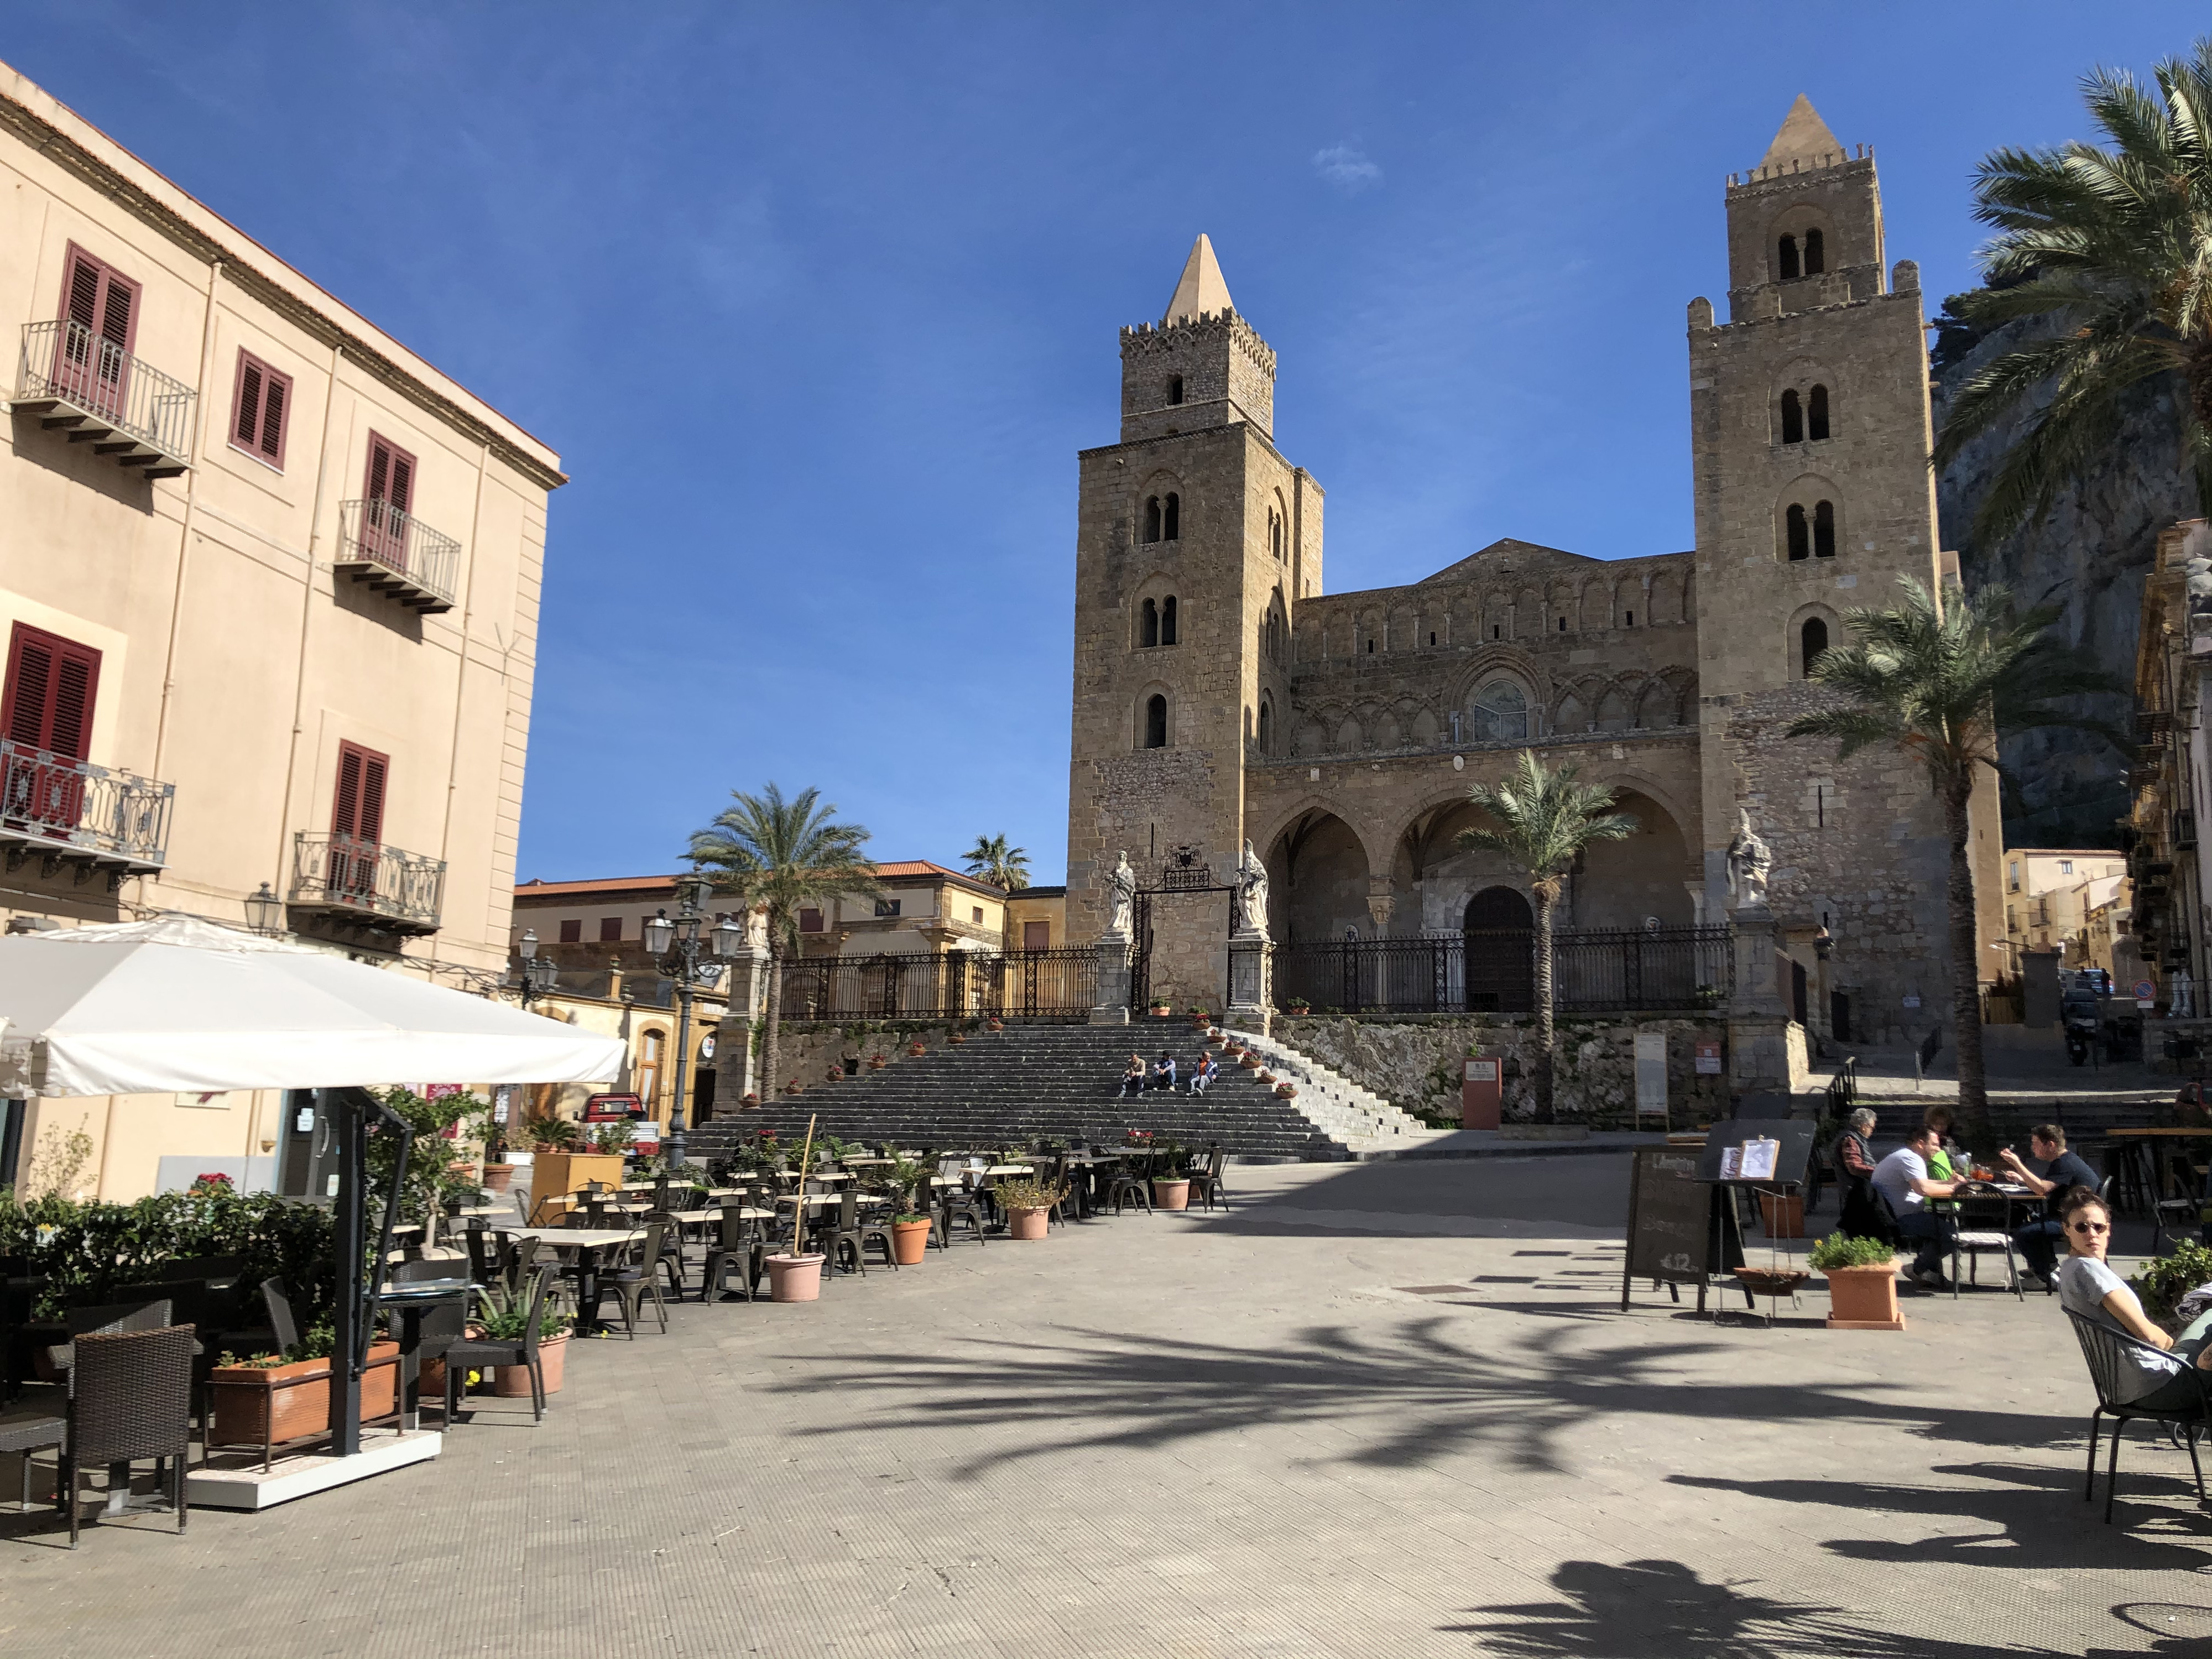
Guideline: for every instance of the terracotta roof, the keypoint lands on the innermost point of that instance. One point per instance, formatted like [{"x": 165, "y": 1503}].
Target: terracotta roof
[{"x": 606, "y": 884}]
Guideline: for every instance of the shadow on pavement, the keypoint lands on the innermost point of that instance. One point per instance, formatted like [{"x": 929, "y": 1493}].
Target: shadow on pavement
[{"x": 1664, "y": 1610}]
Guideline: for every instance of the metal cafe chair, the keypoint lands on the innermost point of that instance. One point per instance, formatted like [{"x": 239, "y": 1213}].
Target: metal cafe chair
[{"x": 2107, "y": 1353}]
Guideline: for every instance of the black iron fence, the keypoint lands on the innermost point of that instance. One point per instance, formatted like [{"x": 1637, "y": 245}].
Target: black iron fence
[
  {"x": 1013, "y": 985},
  {"x": 1595, "y": 971}
]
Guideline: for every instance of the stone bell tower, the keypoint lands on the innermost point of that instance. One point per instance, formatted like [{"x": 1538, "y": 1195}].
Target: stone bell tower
[
  {"x": 1811, "y": 432},
  {"x": 1192, "y": 530}
]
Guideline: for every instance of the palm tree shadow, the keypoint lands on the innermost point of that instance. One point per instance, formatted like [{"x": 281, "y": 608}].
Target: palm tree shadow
[
  {"x": 1663, "y": 1610},
  {"x": 1431, "y": 1386}
]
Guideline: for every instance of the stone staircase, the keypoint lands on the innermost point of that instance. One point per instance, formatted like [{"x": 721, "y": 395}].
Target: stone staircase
[{"x": 1031, "y": 1082}]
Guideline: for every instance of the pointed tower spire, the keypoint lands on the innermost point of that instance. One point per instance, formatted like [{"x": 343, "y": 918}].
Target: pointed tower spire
[
  {"x": 1804, "y": 136},
  {"x": 1200, "y": 287}
]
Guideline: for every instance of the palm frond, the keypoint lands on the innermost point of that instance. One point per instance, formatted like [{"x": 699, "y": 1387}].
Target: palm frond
[{"x": 788, "y": 854}]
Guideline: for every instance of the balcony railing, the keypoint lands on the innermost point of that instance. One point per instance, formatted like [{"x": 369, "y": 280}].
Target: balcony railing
[
  {"x": 397, "y": 554},
  {"x": 94, "y": 817},
  {"x": 105, "y": 397},
  {"x": 370, "y": 885}
]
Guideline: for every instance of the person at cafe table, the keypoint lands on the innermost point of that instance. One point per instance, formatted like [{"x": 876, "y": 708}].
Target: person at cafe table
[
  {"x": 1902, "y": 1178},
  {"x": 2039, "y": 1241}
]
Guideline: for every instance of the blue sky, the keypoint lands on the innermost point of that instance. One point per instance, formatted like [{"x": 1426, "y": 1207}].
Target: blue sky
[{"x": 819, "y": 303}]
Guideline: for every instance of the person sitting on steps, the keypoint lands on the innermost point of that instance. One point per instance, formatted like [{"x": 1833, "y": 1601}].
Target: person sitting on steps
[
  {"x": 1202, "y": 1074},
  {"x": 1133, "y": 1079},
  {"x": 1163, "y": 1072}
]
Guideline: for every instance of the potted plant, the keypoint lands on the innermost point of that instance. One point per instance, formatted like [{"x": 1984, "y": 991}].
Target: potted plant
[
  {"x": 269, "y": 1399},
  {"x": 1199, "y": 1018},
  {"x": 917, "y": 1048},
  {"x": 1027, "y": 1201},
  {"x": 1286, "y": 1091},
  {"x": 956, "y": 1038},
  {"x": 794, "y": 1087},
  {"x": 1862, "y": 1282},
  {"x": 908, "y": 1179},
  {"x": 504, "y": 1316},
  {"x": 1265, "y": 1077},
  {"x": 1160, "y": 1008},
  {"x": 1298, "y": 1005},
  {"x": 997, "y": 1024},
  {"x": 2166, "y": 1279},
  {"x": 1247, "y": 1060},
  {"x": 877, "y": 1062},
  {"x": 1170, "y": 1176}
]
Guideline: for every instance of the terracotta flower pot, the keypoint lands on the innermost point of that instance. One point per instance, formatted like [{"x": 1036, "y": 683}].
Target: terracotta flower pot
[
  {"x": 917, "y": 1049},
  {"x": 513, "y": 1382},
  {"x": 998, "y": 1025},
  {"x": 1025, "y": 1221},
  {"x": 910, "y": 1242},
  {"x": 1286, "y": 1092},
  {"x": 1267, "y": 1077},
  {"x": 241, "y": 1413},
  {"x": 1783, "y": 1214},
  {"x": 498, "y": 1178},
  {"x": 793, "y": 1087},
  {"x": 1249, "y": 1061},
  {"x": 794, "y": 1278},
  {"x": 1172, "y": 1194},
  {"x": 1864, "y": 1298},
  {"x": 1160, "y": 1010},
  {"x": 877, "y": 1062},
  {"x": 956, "y": 1039}
]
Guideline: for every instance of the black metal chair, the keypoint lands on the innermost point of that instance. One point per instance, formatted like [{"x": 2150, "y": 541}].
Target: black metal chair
[
  {"x": 850, "y": 1232},
  {"x": 2183, "y": 1215},
  {"x": 1130, "y": 1185},
  {"x": 1206, "y": 1184},
  {"x": 480, "y": 1352},
  {"x": 130, "y": 1395},
  {"x": 639, "y": 1277},
  {"x": 2110, "y": 1360},
  {"x": 960, "y": 1204},
  {"x": 740, "y": 1248}
]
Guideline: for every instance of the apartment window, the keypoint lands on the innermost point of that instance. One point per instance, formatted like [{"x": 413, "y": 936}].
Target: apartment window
[
  {"x": 357, "y": 809},
  {"x": 53, "y": 683},
  {"x": 887, "y": 906},
  {"x": 101, "y": 304},
  {"x": 976, "y": 914},
  {"x": 2066, "y": 866},
  {"x": 259, "y": 402},
  {"x": 1037, "y": 936},
  {"x": 611, "y": 930},
  {"x": 809, "y": 921},
  {"x": 572, "y": 932}
]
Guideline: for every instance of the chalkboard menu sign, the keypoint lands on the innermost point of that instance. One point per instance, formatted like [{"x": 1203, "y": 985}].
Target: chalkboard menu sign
[{"x": 1669, "y": 1219}]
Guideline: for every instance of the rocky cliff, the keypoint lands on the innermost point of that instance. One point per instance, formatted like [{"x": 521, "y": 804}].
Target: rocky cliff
[{"x": 2090, "y": 554}]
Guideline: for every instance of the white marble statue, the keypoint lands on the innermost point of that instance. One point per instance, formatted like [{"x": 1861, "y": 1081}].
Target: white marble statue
[
  {"x": 1748, "y": 863},
  {"x": 1121, "y": 885},
  {"x": 756, "y": 928},
  {"x": 1251, "y": 896}
]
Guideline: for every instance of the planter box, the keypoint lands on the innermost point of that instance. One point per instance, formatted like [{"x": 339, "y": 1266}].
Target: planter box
[
  {"x": 1783, "y": 1214},
  {"x": 513, "y": 1382},
  {"x": 1864, "y": 1298},
  {"x": 269, "y": 1406},
  {"x": 554, "y": 1176}
]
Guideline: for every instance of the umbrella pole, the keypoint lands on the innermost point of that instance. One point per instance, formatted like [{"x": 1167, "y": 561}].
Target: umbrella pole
[
  {"x": 799, "y": 1200},
  {"x": 352, "y": 1246}
]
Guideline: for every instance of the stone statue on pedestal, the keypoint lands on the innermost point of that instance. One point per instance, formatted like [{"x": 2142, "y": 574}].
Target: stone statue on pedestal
[
  {"x": 756, "y": 928},
  {"x": 1121, "y": 887},
  {"x": 1748, "y": 863},
  {"x": 1249, "y": 905}
]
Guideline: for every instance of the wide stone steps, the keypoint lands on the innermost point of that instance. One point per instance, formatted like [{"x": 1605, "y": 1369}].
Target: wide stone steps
[{"x": 1028, "y": 1082}]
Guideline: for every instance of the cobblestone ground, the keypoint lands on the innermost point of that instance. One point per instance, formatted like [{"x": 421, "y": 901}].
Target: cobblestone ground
[{"x": 1390, "y": 1409}]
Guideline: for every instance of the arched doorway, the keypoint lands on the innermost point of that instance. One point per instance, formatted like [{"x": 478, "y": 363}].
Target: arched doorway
[{"x": 1500, "y": 930}]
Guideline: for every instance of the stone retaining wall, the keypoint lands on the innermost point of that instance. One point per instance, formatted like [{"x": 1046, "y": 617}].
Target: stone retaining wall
[{"x": 1415, "y": 1064}]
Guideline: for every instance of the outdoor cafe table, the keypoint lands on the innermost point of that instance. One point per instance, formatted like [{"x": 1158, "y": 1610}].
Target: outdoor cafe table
[
  {"x": 2150, "y": 1148},
  {"x": 411, "y": 1300},
  {"x": 1011, "y": 1169},
  {"x": 587, "y": 1243}
]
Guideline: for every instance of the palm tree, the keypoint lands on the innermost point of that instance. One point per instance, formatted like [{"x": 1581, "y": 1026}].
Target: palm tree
[
  {"x": 1942, "y": 682},
  {"x": 786, "y": 854},
  {"x": 2113, "y": 248},
  {"x": 1545, "y": 820},
  {"x": 1003, "y": 866}
]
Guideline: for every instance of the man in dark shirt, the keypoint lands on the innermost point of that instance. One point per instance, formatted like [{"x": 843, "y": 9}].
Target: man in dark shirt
[{"x": 2039, "y": 1241}]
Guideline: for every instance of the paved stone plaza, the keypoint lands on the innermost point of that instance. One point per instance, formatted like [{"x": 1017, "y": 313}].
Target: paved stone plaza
[{"x": 1382, "y": 1409}]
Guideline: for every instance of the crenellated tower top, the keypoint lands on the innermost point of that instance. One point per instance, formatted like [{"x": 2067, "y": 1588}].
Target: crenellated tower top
[{"x": 1201, "y": 365}]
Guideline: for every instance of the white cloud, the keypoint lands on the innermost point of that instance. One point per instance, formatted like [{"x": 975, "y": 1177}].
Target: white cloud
[{"x": 1346, "y": 166}]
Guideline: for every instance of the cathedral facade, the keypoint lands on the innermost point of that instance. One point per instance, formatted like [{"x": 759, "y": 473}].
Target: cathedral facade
[{"x": 1221, "y": 694}]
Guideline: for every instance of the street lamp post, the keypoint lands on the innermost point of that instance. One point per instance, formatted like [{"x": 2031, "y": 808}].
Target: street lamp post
[
  {"x": 538, "y": 973},
  {"x": 681, "y": 953}
]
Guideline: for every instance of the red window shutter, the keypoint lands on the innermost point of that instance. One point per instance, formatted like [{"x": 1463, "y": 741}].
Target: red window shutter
[
  {"x": 372, "y": 770},
  {"x": 610, "y": 930},
  {"x": 51, "y": 687},
  {"x": 100, "y": 298},
  {"x": 345, "y": 810},
  {"x": 263, "y": 396},
  {"x": 572, "y": 932},
  {"x": 247, "y": 425},
  {"x": 379, "y": 468},
  {"x": 357, "y": 808},
  {"x": 273, "y": 403},
  {"x": 81, "y": 299},
  {"x": 391, "y": 474}
]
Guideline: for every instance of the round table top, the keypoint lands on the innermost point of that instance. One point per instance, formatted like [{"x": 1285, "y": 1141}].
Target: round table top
[
  {"x": 1012, "y": 1169},
  {"x": 589, "y": 1238}
]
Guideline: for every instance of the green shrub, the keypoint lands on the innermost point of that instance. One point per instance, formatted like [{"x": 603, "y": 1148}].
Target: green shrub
[
  {"x": 1840, "y": 1250},
  {"x": 2165, "y": 1280}
]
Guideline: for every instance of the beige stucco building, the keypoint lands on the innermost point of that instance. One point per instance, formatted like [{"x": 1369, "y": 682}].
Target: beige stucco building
[
  {"x": 1221, "y": 694},
  {"x": 269, "y": 584},
  {"x": 2064, "y": 898}
]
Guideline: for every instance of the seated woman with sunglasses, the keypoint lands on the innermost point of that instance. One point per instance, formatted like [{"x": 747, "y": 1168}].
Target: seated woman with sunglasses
[{"x": 2089, "y": 1287}]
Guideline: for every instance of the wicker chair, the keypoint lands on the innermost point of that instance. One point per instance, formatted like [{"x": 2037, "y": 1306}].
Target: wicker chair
[
  {"x": 2107, "y": 1352},
  {"x": 130, "y": 1397}
]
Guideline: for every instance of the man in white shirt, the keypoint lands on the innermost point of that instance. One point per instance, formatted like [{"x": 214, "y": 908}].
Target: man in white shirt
[{"x": 1902, "y": 1178}]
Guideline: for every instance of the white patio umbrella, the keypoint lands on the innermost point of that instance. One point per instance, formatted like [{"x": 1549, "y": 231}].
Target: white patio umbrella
[{"x": 184, "y": 1005}]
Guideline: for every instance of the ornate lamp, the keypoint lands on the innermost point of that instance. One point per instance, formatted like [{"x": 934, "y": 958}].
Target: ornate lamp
[{"x": 264, "y": 912}]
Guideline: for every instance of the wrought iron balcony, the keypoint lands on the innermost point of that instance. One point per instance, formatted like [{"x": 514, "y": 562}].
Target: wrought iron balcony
[
  {"x": 103, "y": 396},
  {"x": 71, "y": 812},
  {"x": 365, "y": 884},
  {"x": 398, "y": 554}
]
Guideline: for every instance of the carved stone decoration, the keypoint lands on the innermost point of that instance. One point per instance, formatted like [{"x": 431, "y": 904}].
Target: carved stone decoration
[
  {"x": 1749, "y": 864},
  {"x": 1248, "y": 906},
  {"x": 1122, "y": 891}
]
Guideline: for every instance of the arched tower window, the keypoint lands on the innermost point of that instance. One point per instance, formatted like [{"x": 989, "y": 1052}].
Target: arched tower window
[
  {"x": 1174, "y": 389},
  {"x": 1267, "y": 728},
  {"x": 1788, "y": 259},
  {"x": 1800, "y": 545},
  {"x": 1152, "y": 518},
  {"x": 1148, "y": 624},
  {"x": 1812, "y": 641},
  {"x": 1167, "y": 620},
  {"x": 1171, "y": 517},
  {"x": 1156, "y": 722},
  {"x": 1501, "y": 713},
  {"x": 1824, "y": 530},
  {"x": 1816, "y": 424},
  {"x": 1815, "y": 253},
  {"x": 1793, "y": 418}
]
